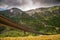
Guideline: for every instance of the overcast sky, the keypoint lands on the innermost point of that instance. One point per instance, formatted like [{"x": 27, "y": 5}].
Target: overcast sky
[{"x": 28, "y": 4}]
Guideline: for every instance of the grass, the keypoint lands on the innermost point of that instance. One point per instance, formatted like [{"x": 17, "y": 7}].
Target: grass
[{"x": 42, "y": 37}]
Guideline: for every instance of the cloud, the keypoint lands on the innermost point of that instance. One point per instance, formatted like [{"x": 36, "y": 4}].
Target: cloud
[
  {"x": 14, "y": 2},
  {"x": 47, "y": 2},
  {"x": 29, "y": 4}
]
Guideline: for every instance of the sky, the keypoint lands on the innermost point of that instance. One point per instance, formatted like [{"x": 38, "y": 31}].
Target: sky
[{"x": 28, "y": 4}]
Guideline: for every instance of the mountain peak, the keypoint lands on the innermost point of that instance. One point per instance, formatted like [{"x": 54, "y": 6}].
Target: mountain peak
[
  {"x": 15, "y": 9},
  {"x": 12, "y": 12}
]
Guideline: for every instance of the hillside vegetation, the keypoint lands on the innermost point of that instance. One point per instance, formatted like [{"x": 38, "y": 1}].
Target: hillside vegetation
[{"x": 44, "y": 20}]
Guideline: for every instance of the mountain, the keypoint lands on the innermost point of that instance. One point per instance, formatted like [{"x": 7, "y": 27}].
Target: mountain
[
  {"x": 2, "y": 9},
  {"x": 43, "y": 10},
  {"x": 14, "y": 13},
  {"x": 45, "y": 20}
]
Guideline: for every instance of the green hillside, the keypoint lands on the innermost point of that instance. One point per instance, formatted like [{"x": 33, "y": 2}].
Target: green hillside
[{"x": 46, "y": 21}]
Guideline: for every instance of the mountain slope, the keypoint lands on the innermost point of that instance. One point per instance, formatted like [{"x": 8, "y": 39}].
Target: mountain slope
[{"x": 45, "y": 20}]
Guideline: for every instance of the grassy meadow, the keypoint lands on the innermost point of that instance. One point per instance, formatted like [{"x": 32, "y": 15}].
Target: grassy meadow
[{"x": 42, "y": 37}]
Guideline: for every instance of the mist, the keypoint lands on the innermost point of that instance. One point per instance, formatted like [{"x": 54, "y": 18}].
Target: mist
[{"x": 28, "y": 4}]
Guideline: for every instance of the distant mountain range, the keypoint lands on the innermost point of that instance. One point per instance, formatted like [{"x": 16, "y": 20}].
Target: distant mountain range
[
  {"x": 2, "y": 9},
  {"x": 18, "y": 13},
  {"x": 41, "y": 10},
  {"x": 16, "y": 10}
]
